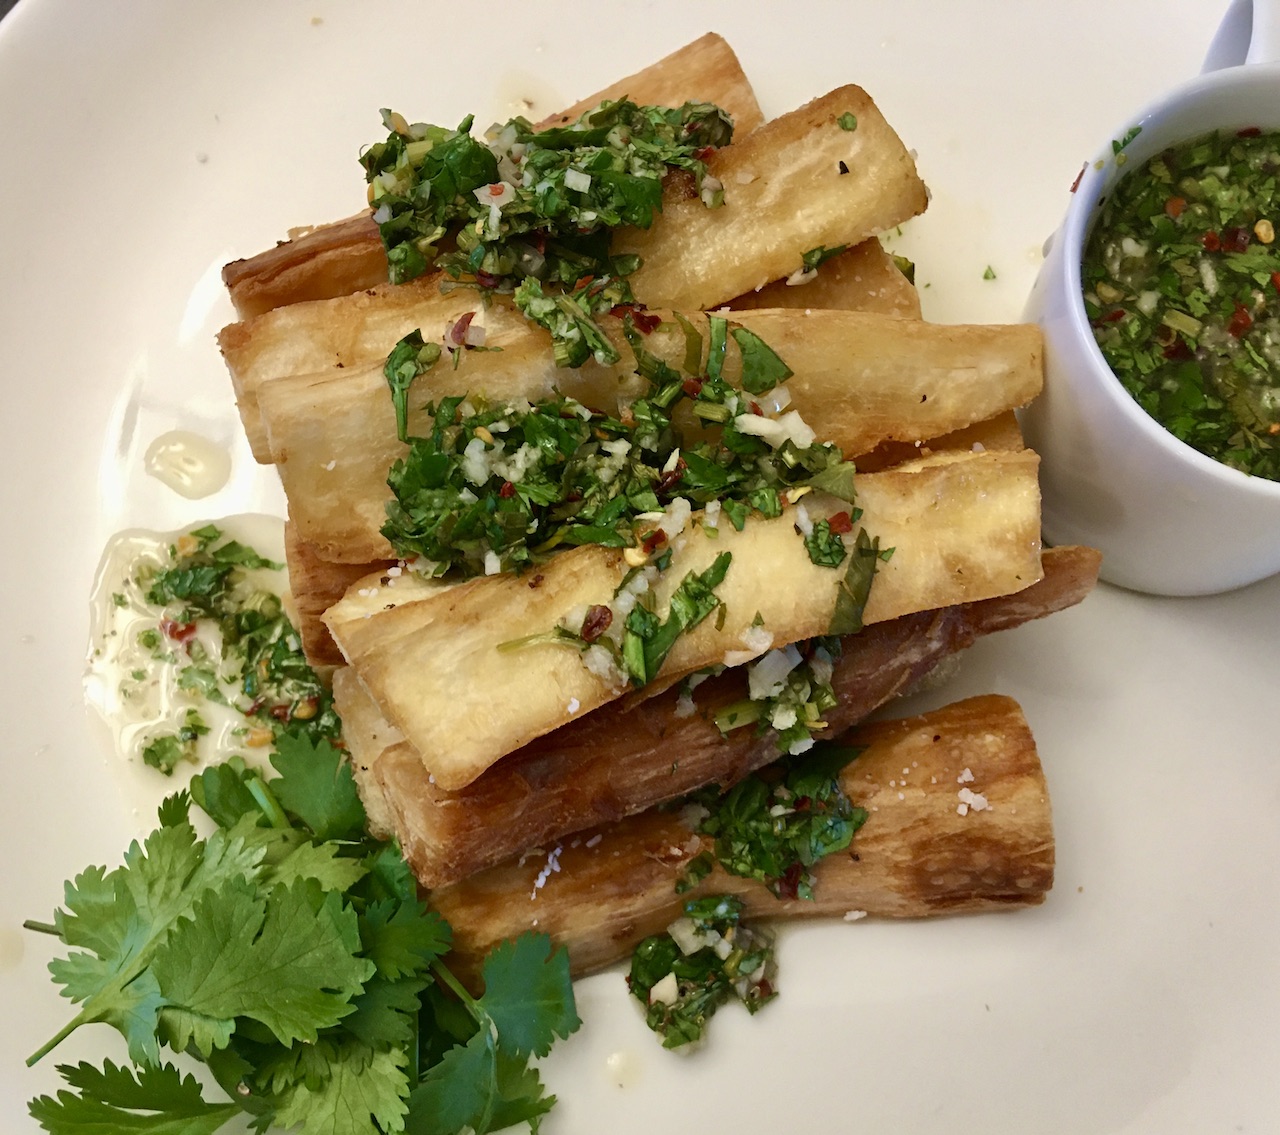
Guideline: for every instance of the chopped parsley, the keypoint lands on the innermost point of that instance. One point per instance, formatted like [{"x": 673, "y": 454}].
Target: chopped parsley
[
  {"x": 705, "y": 959},
  {"x": 812, "y": 260},
  {"x": 502, "y": 486},
  {"x": 847, "y": 121},
  {"x": 291, "y": 954},
  {"x": 261, "y": 670},
  {"x": 774, "y": 825},
  {"x": 647, "y": 640},
  {"x": 1182, "y": 290},
  {"x": 537, "y": 208}
]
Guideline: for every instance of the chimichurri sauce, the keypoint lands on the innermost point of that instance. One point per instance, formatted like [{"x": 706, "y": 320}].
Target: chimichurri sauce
[{"x": 1182, "y": 287}]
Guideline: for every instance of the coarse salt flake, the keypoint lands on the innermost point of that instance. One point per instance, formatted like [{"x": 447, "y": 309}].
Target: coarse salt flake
[{"x": 976, "y": 801}]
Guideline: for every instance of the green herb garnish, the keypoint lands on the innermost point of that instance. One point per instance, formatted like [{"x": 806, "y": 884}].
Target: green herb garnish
[
  {"x": 794, "y": 705},
  {"x": 1182, "y": 289},
  {"x": 775, "y": 825},
  {"x": 647, "y": 640},
  {"x": 681, "y": 991},
  {"x": 518, "y": 483},
  {"x": 812, "y": 260},
  {"x": 537, "y": 207},
  {"x": 289, "y": 952},
  {"x": 263, "y": 671}
]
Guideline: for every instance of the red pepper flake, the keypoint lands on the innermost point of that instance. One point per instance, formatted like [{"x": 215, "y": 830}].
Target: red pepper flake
[
  {"x": 582, "y": 281},
  {"x": 279, "y": 712},
  {"x": 1211, "y": 242},
  {"x": 1177, "y": 351},
  {"x": 1249, "y": 132},
  {"x": 840, "y": 523},
  {"x": 488, "y": 280},
  {"x": 179, "y": 632},
  {"x": 596, "y": 623},
  {"x": 655, "y": 539},
  {"x": 1241, "y": 321},
  {"x": 1113, "y": 316},
  {"x": 755, "y": 409},
  {"x": 1275, "y": 280},
  {"x": 803, "y": 804},
  {"x": 789, "y": 884},
  {"x": 507, "y": 491},
  {"x": 645, "y": 321},
  {"x": 1235, "y": 239},
  {"x": 703, "y": 154},
  {"x": 458, "y": 332},
  {"x": 1076, "y": 184},
  {"x": 692, "y": 387},
  {"x": 536, "y": 581},
  {"x": 671, "y": 477},
  {"x": 1174, "y": 206}
]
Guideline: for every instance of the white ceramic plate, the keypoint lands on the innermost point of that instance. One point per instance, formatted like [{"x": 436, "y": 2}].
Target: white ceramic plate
[{"x": 144, "y": 144}]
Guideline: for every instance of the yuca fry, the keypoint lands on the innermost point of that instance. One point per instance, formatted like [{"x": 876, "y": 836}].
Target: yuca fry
[
  {"x": 964, "y": 527},
  {"x": 861, "y": 278},
  {"x": 706, "y": 70},
  {"x": 318, "y": 584},
  {"x": 351, "y": 331},
  {"x": 916, "y": 855},
  {"x": 346, "y": 256},
  {"x": 860, "y": 380},
  {"x": 315, "y": 585},
  {"x": 1001, "y": 433},
  {"x": 617, "y": 762},
  {"x": 784, "y": 195},
  {"x": 758, "y": 236}
]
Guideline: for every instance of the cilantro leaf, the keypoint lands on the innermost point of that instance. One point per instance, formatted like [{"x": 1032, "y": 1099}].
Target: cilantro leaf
[
  {"x": 403, "y": 938},
  {"x": 123, "y": 917},
  {"x": 159, "y": 1100},
  {"x": 646, "y": 641},
  {"x": 364, "y": 1093},
  {"x": 457, "y": 1092},
  {"x": 286, "y": 961},
  {"x": 316, "y": 785},
  {"x": 386, "y": 1013},
  {"x": 526, "y": 993}
]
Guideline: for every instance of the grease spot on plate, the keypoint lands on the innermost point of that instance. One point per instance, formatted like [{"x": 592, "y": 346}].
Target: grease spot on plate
[{"x": 191, "y": 465}]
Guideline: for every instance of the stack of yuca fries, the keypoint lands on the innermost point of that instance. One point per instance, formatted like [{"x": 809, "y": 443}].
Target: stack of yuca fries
[{"x": 470, "y": 754}]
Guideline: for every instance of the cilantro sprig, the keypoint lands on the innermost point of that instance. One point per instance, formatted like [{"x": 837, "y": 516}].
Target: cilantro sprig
[{"x": 289, "y": 951}]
